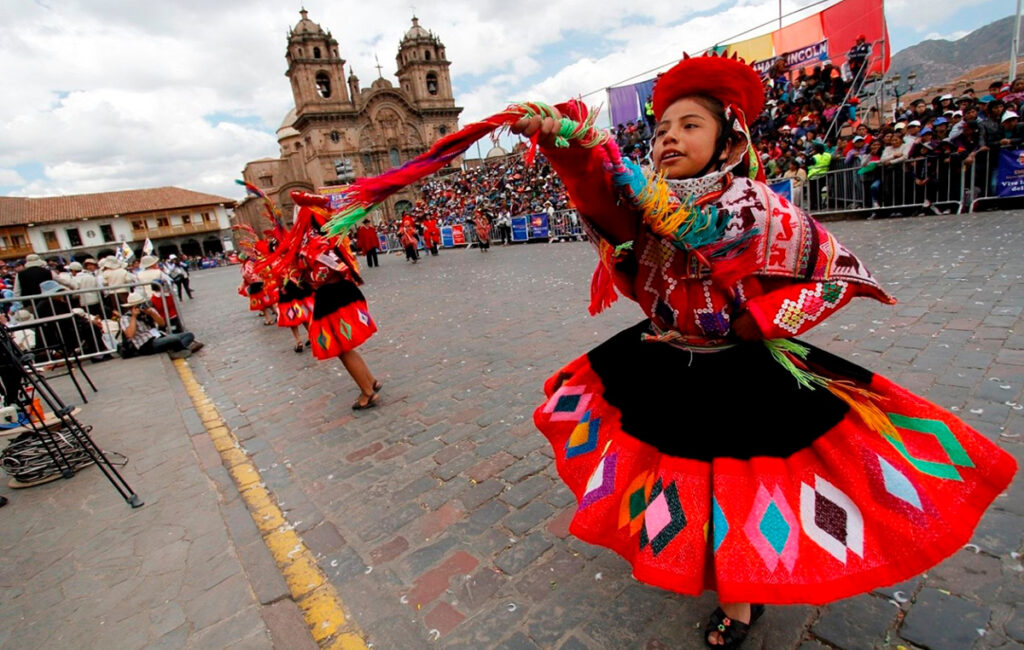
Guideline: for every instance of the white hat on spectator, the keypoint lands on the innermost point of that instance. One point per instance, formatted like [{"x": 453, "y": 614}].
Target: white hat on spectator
[
  {"x": 33, "y": 260},
  {"x": 900, "y": 126},
  {"x": 148, "y": 261},
  {"x": 958, "y": 113},
  {"x": 136, "y": 297},
  {"x": 785, "y": 127},
  {"x": 22, "y": 315},
  {"x": 945, "y": 97},
  {"x": 111, "y": 262},
  {"x": 858, "y": 138},
  {"x": 74, "y": 266},
  {"x": 913, "y": 123},
  {"x": 1009, "y": 115}
]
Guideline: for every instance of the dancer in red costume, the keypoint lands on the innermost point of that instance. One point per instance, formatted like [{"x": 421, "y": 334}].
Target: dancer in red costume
[
  {"x": 295, "y": 306},
  {"x": 340, "y": 320},
  {"x": 431, "y": 235},
  {"x": 705, "y": 444},
  {"x": 261, "y": 287},
  {"x": 482, "y": 226}
]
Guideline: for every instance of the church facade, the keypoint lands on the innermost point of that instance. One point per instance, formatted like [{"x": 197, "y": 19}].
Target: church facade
[{"x": 338, "y": 130}]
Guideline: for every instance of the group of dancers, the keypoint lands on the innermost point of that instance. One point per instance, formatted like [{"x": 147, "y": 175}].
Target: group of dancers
[
  {"x": 705, "y": 445},
  {"x": 297, "y": 277}
]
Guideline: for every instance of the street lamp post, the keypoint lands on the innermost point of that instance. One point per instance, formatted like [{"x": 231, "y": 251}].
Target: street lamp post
[{"x": 893, "y": 86}]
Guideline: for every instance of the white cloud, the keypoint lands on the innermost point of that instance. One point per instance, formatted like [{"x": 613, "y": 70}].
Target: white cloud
[
  {"x": 954, "y": 36},
  {"x": 10, "y": 177}
]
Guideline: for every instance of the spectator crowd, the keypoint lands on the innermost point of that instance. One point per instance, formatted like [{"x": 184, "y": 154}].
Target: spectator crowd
[{"x": 839, "y": 153}]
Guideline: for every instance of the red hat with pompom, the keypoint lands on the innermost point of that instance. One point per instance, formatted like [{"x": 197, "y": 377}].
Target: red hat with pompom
[{"x": 729, "y": 80}]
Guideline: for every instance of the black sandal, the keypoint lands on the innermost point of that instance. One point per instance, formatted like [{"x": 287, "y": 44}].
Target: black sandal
[
  {"x": 377, "y": 385},
  {"x": 370, "y": 402},
  {"x": 733, "y": 632},
  {"x": 298, "y": 347}
]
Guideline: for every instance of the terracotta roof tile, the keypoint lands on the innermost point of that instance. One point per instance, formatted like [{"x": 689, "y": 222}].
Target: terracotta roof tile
[{"x": 16, "y": 211}]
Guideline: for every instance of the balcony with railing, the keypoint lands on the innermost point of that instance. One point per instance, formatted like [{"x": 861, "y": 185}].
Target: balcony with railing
[
  {"x": 159, "y": 232},
  {"x": 15, "y": 252}
]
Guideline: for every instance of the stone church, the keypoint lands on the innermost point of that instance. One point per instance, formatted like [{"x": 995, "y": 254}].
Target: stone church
[{"x": 338, "y": 129}]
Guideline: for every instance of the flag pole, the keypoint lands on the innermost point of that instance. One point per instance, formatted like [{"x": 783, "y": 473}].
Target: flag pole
[{"x": 1015, "y": 45}]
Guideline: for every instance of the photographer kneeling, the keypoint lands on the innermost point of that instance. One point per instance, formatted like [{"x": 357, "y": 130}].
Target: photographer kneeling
[{"x": 141, "y": 333}]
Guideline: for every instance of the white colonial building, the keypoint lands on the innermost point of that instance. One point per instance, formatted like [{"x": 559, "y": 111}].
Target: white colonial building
[{"x": 176, "y": 220}]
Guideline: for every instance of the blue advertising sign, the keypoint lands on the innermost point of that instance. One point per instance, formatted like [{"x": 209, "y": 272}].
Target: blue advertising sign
[
  {"x": 783, "y": 188},
  {"x": 1010, "y": 173},
  {"x": 447, "y": 238},
  {"x": 519, "y": 229},
  {"x": 539, "y": 225}
]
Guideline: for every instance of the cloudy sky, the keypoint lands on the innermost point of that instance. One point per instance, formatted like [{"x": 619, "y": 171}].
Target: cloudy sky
[{"x": 121, "y": 94}]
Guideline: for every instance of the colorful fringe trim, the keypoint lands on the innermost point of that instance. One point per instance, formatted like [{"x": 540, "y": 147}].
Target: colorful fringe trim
[{"x": 790, "y": 355}]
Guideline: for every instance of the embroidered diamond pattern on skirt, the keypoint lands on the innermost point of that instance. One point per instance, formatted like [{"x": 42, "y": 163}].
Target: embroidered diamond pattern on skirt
[
  {"x": 892, "y": 487},
  {"x": 634, "y": 501},
  {"x": 568, "y": 403},
  {"x": 663, "y": 518},
  {"x": 897, "y": 484},
  {"x": 772, "y": 527},
  {"x": 601, "y": 483},
  {"x": 364, "y": 318},
  {"x": 929, "y": 446},
  {"x": 583, "y": 438},
  {"x": 324, "y": 340},
  {"x": 831, "y": 519},
  {"x": 719, "y": 525},
  {"x": 345, "y": 329}
]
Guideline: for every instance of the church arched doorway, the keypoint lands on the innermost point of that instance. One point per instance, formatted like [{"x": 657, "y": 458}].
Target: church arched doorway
[
  {"x": 191, "y": 247},
  {"x": 401, "y": 207},
  {"x": 212, "y": 246},
  {"x": 166, "y": 250}
]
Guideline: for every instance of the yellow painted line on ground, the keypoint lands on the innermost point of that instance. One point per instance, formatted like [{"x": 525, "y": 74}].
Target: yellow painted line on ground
[{"x": 316, "y": 597}]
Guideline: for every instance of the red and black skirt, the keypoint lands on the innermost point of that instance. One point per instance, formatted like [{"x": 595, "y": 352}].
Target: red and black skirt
[
  {"x": 294, "y": 304},
  {"x": 261, "y": 296},
  {"x": 341, "y": 321},
  {"x": 719, "y": 471}
]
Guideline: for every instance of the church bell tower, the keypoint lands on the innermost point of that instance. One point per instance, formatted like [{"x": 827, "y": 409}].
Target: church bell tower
[
  {"x": 316, "y": 71},
  {"x": 423, "y": 68}
]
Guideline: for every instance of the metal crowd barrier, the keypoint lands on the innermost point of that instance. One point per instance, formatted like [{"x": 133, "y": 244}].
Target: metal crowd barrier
[
  {"x": 979, "y": 180},
  {"x": 90, "y": 327},
  {"x": 894, "y": 188}
]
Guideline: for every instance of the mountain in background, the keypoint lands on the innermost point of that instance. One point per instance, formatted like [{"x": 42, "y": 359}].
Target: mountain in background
[{"x": 939, "y": 62}]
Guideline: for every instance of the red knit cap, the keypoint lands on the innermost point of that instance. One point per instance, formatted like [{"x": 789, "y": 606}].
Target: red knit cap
[{"x": 730, "y": 81}]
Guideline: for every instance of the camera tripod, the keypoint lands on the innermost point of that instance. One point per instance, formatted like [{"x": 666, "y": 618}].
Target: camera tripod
[{"x": 27, "y": 389}]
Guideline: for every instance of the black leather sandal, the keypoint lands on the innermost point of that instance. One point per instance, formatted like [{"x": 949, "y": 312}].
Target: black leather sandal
[{"x": 733, "y": 632}]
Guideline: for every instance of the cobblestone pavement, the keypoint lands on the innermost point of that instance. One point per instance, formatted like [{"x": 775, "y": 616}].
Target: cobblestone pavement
[
  {"x": 439, "y": 517},
  {"x": 82, "y": 569}
]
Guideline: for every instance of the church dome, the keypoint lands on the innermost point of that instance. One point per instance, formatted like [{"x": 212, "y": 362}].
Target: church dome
[
  {"x": 496, "y": 152},
  {"x": 381, "y": 82},
  {"x": 307, "y": 26},
  {"x": 289, "y": 119},
  {"x": 415, "y": 31}
]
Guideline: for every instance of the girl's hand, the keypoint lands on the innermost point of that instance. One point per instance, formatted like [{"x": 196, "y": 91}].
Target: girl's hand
[{"x": 545, "y": 128}]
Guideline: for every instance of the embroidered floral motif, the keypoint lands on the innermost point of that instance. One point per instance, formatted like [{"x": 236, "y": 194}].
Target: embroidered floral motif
[{"x": 810, "y": 306}]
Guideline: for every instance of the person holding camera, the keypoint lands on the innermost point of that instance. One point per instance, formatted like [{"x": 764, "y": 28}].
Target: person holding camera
[{"x": 141, "y": 331}]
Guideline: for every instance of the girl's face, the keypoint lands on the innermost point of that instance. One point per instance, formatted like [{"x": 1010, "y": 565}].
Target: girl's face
[{"x": 684, "y": 139}]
